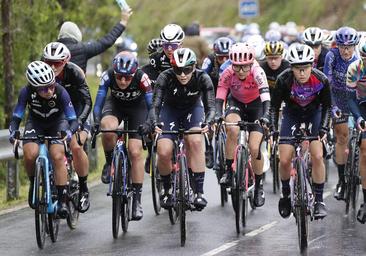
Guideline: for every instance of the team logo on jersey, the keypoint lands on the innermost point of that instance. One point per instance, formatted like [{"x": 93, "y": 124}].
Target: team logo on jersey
[
  {"x": 51, "y": 103},
  {"x": 172, "y": 124},
  {"x": 189, "y": 116},
  {"x": 29, "y": 131},
  {"x": 192, "y": 93},
  {"x": 175, "y": 91}
]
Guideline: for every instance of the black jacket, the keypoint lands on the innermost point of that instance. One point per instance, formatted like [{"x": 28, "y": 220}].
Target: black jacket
[{"x": 81, "y": 52}]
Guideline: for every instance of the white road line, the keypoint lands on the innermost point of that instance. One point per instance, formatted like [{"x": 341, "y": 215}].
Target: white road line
[
  {"x": 222, "y": 248},
  {"x": 261, "y": 229},
  {"x": 316, "y": 239},
  {"x": 226, "y": 246}
]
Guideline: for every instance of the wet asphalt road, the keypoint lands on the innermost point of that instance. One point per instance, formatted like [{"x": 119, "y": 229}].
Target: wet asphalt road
[{"x": 210, "y": 232}]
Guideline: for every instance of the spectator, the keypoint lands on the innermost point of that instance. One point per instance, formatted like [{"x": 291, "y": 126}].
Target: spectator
[{"x": 81, "y": 52}]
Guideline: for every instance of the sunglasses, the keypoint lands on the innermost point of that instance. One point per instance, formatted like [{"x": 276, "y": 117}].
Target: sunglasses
[
  {"x": 126, "y": 77},
  {"x": 222, "y": 57},
  {"x": 46, "y": 89},
  {"x": 55, "y": 63},
  {"x": 186, "y": 70},
  {"x": 245, "y": 68},
  {"x": 171, "y": 46}
]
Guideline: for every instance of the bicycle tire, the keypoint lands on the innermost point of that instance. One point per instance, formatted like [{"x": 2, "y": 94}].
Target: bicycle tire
[
  {"x": 126, "y": 209},
  {"x": 116, "y": 194},
  {"x": 301, "y": 207},
  {"x": 155, "y": 182},
  {"x": 182, "y": 200},
  {"x": 221, "y": 168},
  {"x": 275, "y": 170},
  {"x": 173, "y": 211},
  {"x": 237, "y": 191},
  {"x": 355, "y": 177},
  {"x": 40, "y": 203},
  {"x": 349, "y": 175},
  {"x": 53, "y": 221},
  {"x": 72, "y": 204}
]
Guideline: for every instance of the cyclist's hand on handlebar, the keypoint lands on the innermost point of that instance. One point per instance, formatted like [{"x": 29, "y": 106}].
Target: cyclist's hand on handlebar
[
  {"x": 264, "y": 122},
  {"x": 12, "y": 137},
  {"x": 68, "y": 135},
  {"x": 323, "y": 134},
  {"x": 205, "y": 128},
  {"x": 361, "y": 125},
  {"x": 337, "y": 113}
]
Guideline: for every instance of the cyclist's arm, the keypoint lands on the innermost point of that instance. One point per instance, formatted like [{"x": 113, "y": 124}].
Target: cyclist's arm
[
  {"x": 69, "y": 110},
  {"x": 278, "y": 94},
  {"x": 209, "y": 98},
  {"x": 145, "y": 86},
  {"x": 326, "y": 102},
  {"x": 83, "y": 92},
  {"x": 207, "y": 65},
  {"x": 261, "y": 80},
  {"x": 94, "y": 48},
  {"x": 353, "y": 76},
  {"x": 224, "y": 66},
  {"x": 101, "y": 95},
  {"x": 328, "y": 71},
  {"x": 159, "y": 91},
  {"x": 223, "y": 88},
  {"x": 19, "y": 109}
]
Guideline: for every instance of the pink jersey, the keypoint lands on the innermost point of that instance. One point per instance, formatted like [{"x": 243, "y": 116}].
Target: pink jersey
[{"x": 245, "y": 91}]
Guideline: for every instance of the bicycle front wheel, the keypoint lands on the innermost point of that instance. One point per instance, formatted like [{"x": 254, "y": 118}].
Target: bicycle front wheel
[
  {"x": 72, "y": 204},
  {"x": 220, "y": 163},
  {"x": 274, "y": 166},
  {"x": 182, "y": 201},
  {"x": 301, "y": 211},
  {"x": 155, "y": 182},
  {"x": 116, "y": 195},
  {"x": 174, "y": 211},
  {"x": 40, "y": 203},
  {"x": 239, "y": 202}
]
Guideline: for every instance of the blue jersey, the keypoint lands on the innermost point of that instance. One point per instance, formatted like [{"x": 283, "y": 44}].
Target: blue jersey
[
  {"x": 335, "y": 68},
  {"x": 42, "y": 110}
]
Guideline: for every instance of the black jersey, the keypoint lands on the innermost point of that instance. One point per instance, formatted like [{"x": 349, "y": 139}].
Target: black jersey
[{"x": 273, "y": 74}]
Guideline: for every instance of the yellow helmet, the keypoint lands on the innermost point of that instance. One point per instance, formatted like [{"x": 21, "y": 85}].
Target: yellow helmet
[{"x": 273, "y": 48}]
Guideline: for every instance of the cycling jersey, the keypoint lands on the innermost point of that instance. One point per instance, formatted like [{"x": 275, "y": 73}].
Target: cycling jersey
[
  {"x": 43, "y": 110},
  {"x": 302, "y": 98},
  {"x": 273, "y": 74},
  {"x": 335, "y": 68},
  {"x": 211, "y": 67},
  {"x": 139, "y": 87},
  {"x": 73, "y": 79},
  {"x": 245, "y": 91},
  {"x": 319, "y": 62},
  {"x": 170, "y": 92}
]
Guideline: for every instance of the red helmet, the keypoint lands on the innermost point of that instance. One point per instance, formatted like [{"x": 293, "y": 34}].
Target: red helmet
[{"x": 241, "y": 54}]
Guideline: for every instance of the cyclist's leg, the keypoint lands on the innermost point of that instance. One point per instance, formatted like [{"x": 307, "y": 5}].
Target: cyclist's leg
[
  {"x": 361, "y": 214},
  {"x": 195, "y": 152},
  {"x": 30, "y": 153},
  {"x": 233, "y": 114},
  {"x": 341, "y": 133}
]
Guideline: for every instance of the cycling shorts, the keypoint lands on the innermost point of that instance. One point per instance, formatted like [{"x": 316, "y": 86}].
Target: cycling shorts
[
  {"x": 34, "y": 127},
  {"x": 135, "y": 113},
  {"x": 173, "y": 118},
  {"x": 247, "y": 112},
  {"x": 292, "y": 121}
]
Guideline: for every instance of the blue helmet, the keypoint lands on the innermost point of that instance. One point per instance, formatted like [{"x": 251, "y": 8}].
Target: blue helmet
[
  {"x": 125, "y": 63},
  {"x": 222, "y": 45},
  {"x": 347, "y": 36}
]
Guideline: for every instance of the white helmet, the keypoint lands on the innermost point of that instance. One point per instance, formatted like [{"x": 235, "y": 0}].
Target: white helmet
[
  {"x": 40, "y": 74},
  {"x": 274, "y": 25},
  {"x": 328, "y": 38},
  {"x": 172, "y": 33},
  {"x": 183, "y": 57},
  {"x": 312, "y": 36},
  {"x": 258, "y": 43},
  {"x": 56, "y": 51},
  {"x": 273, "y": 35},
  {"x": 300, "y": 54}
]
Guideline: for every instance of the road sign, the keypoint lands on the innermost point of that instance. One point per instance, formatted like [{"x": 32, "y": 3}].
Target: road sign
[{"x": 248, "y": 9}]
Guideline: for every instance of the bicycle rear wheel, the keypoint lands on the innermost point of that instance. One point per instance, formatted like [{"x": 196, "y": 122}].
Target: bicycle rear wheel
[
  {"x": 72, "y": 204},
  {"x": 301, "y": 207},
  {"x": 116, "y": 194},
  {"x": 155, "y": 181},
  {"x": 40, "y": 202},
  {"x": 182, "y": 200},
  {"x": 274, "y": 167}
]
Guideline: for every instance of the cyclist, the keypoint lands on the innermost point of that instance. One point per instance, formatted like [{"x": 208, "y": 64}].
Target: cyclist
[
  {"x": 71, "y": 76},
  {"x": 50, "y": 111},
  {"x": 178, "y": 96},
  {"x": 211, "y": 66},
  {"x": 249, "y": 100},
  {"x": 130, "y": 98},
  {"x": 313, "y": 36},
  {"x": 274, "y": 63},
  {"x": 305, "y": 90},
  {"x": 336, "y": 63},
  {"x": 356, "y": 79}
]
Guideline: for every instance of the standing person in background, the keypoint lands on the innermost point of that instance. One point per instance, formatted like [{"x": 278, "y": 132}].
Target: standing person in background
[
  {"x": 70, "y": 35},
  {"x": 196, "y": 43}
]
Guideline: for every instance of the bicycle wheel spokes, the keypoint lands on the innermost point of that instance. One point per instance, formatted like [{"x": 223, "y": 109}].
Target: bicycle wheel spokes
[
  {"x": 116, "y": 196},
  {"x": 40, "y": 206},
  {"x": 155, "y": 182}
]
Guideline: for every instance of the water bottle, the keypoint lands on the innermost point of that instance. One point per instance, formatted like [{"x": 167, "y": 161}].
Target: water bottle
[{"x": 123, "y": 5}]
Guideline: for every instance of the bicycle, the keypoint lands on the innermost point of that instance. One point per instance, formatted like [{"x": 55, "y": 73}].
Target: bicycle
[
  {"x": 219, "y": 158},
  {"x": 242, "y": 190},
  {"x": 44, "y": 190},
  {"x": 156, "y": 185},
  {"x": 351, "y": 170},
  {"x": 302, "y": 199},
  {"x": 120, "y": 186},
  {"x": 182, "y": 193},
  {"x": 274, "y": 162}
]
